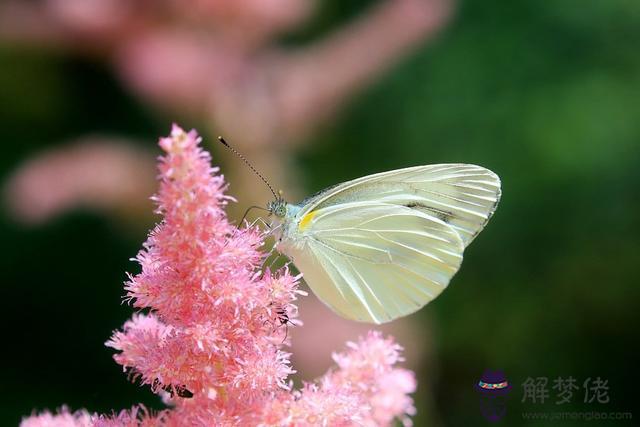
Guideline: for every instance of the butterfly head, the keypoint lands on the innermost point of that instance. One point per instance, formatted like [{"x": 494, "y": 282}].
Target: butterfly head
[{"x": 278, "y": 207}]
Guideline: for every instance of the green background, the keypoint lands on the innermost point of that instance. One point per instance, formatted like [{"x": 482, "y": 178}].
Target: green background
[{"x": 547, "y": 94}]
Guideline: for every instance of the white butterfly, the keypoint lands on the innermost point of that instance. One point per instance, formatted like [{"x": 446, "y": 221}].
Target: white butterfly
[{"x": 384, "y": 245}]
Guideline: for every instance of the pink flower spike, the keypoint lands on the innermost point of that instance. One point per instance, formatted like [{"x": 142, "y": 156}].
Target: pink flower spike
[
  {"x": 211, "y": 340},
  {"x": 214, "y": 329}
]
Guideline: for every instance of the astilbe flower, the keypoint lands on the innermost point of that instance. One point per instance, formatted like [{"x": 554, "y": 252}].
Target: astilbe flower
[
  {"x": 211, "y": 342},
  {"x": 64, "y": 418}
]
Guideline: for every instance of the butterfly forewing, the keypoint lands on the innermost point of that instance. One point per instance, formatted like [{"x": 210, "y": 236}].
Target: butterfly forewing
[
  {"x": 463, "y": 196},
  {"x": 375, "y": 262}
]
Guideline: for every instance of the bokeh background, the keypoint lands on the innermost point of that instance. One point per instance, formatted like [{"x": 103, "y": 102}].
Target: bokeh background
[{"x": 547, "y": 94}]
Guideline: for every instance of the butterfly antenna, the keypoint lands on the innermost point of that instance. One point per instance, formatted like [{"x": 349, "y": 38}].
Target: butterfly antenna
[{"x": 246, "y": 162}]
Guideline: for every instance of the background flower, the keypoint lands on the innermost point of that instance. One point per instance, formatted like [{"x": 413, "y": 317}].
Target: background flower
[{"x": 98, "y": 173}]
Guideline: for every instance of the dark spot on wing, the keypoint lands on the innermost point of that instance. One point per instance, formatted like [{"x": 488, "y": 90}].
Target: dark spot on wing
[{"x": 442, "y": 215}]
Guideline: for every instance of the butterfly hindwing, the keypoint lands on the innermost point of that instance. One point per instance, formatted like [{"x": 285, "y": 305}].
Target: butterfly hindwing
[{"x": 373, "y": 261}]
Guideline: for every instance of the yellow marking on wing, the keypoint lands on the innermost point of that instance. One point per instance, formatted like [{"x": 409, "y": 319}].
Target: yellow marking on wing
[{"x": 304, "y": 222}]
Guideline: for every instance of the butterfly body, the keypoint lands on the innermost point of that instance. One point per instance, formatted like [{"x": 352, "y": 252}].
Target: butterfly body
[{"x": 384, "y": 245}]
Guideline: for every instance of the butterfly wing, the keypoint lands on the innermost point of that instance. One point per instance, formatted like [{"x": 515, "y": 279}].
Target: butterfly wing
[
  {"x": 461, "y": 195},
  {"x": 374, "y": 262}
]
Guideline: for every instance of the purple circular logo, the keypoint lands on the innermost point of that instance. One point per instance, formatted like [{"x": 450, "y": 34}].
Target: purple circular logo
[{"x": 493, "y": 388}]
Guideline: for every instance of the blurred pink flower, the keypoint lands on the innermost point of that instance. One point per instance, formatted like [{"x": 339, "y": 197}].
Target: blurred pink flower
[
  {"x": 95, "y": 173},
  {"x": 220, "y": 61},
  {"x": 211, "y": 344},
  {"x": 99, "y": 26},
  {"x": 64, "y": 418}
]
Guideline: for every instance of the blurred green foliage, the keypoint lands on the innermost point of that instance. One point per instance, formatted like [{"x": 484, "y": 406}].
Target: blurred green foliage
[{"x": 547, "y": 94}]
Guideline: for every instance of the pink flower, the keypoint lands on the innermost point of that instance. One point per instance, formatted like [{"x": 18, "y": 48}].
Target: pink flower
[
  {"x": 212, "y": 341},
  {"x": 97, "y": 173},
  {"x": 365, "y": 389},
  {"x": 221, "y": 60},
  {"x": 64, "y": 418}
]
